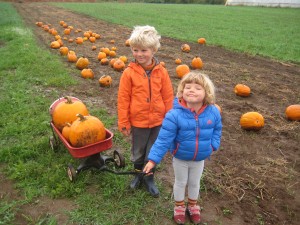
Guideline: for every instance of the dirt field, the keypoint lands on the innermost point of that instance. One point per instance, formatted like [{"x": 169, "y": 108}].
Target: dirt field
[{"x": 254, "y": 177}]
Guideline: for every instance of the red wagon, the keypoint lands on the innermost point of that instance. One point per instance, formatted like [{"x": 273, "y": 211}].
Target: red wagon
[{"x": 90, "y": 155}]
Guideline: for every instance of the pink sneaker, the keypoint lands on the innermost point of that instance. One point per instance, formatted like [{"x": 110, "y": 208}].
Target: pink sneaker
[
  {"x": 194, "y": 213},
  {"x": 179, "y": 214}
]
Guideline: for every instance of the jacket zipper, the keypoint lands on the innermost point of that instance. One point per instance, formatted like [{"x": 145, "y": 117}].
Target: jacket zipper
[{"x": 197, "y": 137}]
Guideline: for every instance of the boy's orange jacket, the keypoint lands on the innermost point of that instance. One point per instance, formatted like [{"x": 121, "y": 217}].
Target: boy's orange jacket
[{"x": 143, "y": 101}]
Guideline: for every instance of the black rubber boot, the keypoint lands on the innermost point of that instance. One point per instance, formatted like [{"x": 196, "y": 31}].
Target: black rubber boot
[
  {"x": 150, "y": 185},
  {"x": 137, "y": 180}
]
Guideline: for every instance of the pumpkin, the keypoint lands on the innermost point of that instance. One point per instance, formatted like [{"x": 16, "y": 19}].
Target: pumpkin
[
  {"x": 113, "y": 48},
  {"x": 92, "y": 39},
  {"x": 66, "y": 131},
  {"x": 182, "y": 70},
  {"x": 104, "y": 61},
  {"x": 67, "y": 31},
  {"x": 119, "y": 65},
  {"x": 127, "y": 43},
  {"x": 252, "y": 121},
  {"x": 79, "y": 40},
  {"x": 112, "y": 61},
  {"x": 70, "y": 40},
  {"x": 242, "y": 90},
  {"x": 55, "y": 44},
  {"x": 112, "y": 41},
  {"x": 197, "y": 63},
  {"x": 101, "y": 55},
  {"x": 178, "y": 61},
  {"x": 292, "y": 112},
  {"x": 105, "y": 50},
  {"x": 162, "y": 63},
  {"x": 87, "y": 73},
  {"x": 94, "y": 47},
  {"x": 57, "y": 37},
  {"x": 112, "y": 54},
  {"x": 105, "y": 81},
  {"x": 66, "y": 111},
  {"x": 123, "y": 58},
  {"x": 185, "y": 48},
  {"x": 97, "y": 36},
  {"x": 201, "y": 41},
  {"x": 86, "y": 34},
  {"x": 72, "y": 56},
  {"x": 82, "y": 63},
  {"x": 86, "y": 130},
  {"x": 64, "y": 50},
  {"x": 39, "y": 24}
]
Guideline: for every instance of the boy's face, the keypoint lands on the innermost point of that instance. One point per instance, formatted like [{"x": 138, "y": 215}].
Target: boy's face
[{"x": 143, "y": 55}]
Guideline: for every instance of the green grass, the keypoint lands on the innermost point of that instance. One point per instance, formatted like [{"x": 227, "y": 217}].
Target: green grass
[{"x": 269, "y": 32}]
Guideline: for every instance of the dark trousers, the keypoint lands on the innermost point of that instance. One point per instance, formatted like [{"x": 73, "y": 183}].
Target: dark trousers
[{"x": 142, "y": 141}]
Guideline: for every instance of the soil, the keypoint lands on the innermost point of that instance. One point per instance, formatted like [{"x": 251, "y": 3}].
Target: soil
[{"x": 254, "y": 177}]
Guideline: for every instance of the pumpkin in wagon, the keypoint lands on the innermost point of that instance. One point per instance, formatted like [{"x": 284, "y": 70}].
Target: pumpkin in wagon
[
  {"x": 252, "y": 121},
  {"x": 292, "y": 112},
  {"x": 86, "y": 130},
  {"x": 66, "y": 111}
]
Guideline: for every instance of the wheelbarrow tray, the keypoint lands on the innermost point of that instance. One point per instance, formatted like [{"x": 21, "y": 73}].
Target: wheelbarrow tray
[{"x": 88, "y": 150}]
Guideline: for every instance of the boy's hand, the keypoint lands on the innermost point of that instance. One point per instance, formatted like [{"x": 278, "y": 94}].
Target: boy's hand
[
  {"x": 126, "y": 132},
  {"x": 148, "y": 167}
]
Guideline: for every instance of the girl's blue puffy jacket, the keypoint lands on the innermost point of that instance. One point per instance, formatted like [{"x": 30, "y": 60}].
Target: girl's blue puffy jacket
[{"x": 186, "y": 135}]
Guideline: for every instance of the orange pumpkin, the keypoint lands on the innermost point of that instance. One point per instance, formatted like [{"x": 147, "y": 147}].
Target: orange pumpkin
[
  {"x": 185, "y": 48},
  {"x": 182, "y": 70},
  {"x": 82, "y": 63},
  {"x": 92, "y": 39},
  {"x": 252, "y": 121},
  {"x": 66, "y": 131},
  {"x": 292, "y": 112},
  {"x": 112, "y": 53},
  {"x": 242, "y": 90},
  {"x": 94, "y": 47},
  {"x": 112, "y": 61},
  {"x": 105, "y": 50},
  {"x": 162, "y": 63},
  {"x": 72, "y": 56},
  {"x": 104, "y": 61},
  {"x": 127, "y": 43},
  {"x": 87, "y": 73},
  {"x": 105, "y": 81},
  {"x": 202, "y": 41},
  {"x": 119, "y": 65},
  {"x": 86, "y": 130},
  {"x": 178, "y": 61},
  {"x": 123, "y": 58},
  {"x": 67, "y": 31},
  {"x": 55, "y": 44},
  {"x": 64, "y": 50},
  {"x": 101, "y": 55},
  {"x": 66, "y": 111},
  {"x": 79, "y": 40},
  {"x": 197, "y": 63}
]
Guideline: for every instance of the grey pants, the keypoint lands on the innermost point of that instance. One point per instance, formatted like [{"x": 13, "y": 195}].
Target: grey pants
[
  {"x": 142, "y": 141},
  {"x": 187, "y": 173}
]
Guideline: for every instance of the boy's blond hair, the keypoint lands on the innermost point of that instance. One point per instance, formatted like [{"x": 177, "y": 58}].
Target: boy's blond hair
[
  {"x": 203, "y": 80},
  {"x": 145, "y": 36}
]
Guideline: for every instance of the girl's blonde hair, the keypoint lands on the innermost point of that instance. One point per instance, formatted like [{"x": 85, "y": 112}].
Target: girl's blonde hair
[
  {"x": 201, "y": 79},
  {"x": 145, "y": 36}
]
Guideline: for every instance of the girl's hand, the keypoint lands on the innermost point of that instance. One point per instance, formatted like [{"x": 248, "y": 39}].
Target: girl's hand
[{"x": 148, "y": 167}]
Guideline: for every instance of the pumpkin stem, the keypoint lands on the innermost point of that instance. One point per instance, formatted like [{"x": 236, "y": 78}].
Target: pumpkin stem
[
  {"x": 82, "y": 118},
  {"x": 69, "y": 99}
]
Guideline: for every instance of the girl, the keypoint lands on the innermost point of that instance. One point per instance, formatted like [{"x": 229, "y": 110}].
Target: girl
[{"x": 191, "y": 131}]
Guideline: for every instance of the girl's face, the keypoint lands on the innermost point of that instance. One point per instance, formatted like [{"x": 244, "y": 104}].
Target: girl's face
[
  {"x": 142, "y": 55},
  {"x": 193, "y": 94}
]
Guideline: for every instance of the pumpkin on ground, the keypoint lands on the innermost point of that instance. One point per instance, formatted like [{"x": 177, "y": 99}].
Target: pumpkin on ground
[
  {"x": 72, "y": 57},
  {"x": 66, "y": 111},
  {"x": 185, "y": 48},
  {"x": 86, "y": 130},
  {"x": 105, "y": 81},
  {"x": 119, "y": 65},
  {"x": 55, "y": 44},
  {"x": 292, "y": 112},
  {"x": 242, "y": 90},
  {"x": 82, "y": 63},
  {"x": 201, "y": 41},
  {"x": 64, "y": 50},
  {"x": 182, "y": 70},
  {"x": 252, "y": 121},
  {"x": 178, "y": 61},
  {"x": 197, "y": 63},
  {"x": 87, "y": 73}
]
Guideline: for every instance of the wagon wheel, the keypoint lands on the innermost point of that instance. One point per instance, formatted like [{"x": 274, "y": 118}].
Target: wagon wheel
[
  {"x": 119, "y": 159},
  {"x": 71, "y": 173},
  {"x": 53, "y": 143}
]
